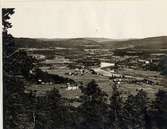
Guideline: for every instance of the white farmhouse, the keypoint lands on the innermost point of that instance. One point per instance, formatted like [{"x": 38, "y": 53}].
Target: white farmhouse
[{"x": 107, "y": 65}]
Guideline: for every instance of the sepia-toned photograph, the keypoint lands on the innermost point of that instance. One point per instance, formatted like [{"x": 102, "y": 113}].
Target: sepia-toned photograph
[{"x": 84, "y": 65}]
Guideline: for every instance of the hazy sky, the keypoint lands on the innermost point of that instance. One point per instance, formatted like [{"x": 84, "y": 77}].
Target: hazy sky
[{"x": 110, "y": 19}]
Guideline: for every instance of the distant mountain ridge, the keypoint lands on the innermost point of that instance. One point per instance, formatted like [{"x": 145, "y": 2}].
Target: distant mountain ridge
[{"x": 145, "y": 43}]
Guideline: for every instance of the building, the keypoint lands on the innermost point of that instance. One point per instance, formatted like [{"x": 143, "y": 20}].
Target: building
[{"x": 107, "y": 66}]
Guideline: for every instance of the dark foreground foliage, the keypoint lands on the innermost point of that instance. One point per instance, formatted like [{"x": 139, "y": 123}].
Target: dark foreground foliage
[{"x": 163, "y": 65}]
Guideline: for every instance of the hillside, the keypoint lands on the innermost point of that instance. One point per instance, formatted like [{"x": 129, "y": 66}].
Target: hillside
[
  {"x": 146, "y": 43},
  {"x": 46, "y": 43}
]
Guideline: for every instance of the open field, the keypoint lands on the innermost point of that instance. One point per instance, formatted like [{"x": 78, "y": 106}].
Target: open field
[{"x": 104, "y": 82}]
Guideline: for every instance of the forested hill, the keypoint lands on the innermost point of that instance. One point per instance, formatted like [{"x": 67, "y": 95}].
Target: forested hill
[
  {"x": 47, "y": 43},
  {"x": 146, "y": 43}
]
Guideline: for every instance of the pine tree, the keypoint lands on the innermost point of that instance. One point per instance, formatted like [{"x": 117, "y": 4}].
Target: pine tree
[
  {"x": 51, "y": 113},
  {"x": 93, "y": 107},
  {"x": 136, "y": 111},
  {"x": 8, "y": 40},
  {"x": 160, "y": 109},
  {"x": 116, "y": 109}
]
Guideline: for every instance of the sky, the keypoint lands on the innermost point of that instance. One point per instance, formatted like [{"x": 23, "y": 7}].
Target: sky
[{"x": 119, "y": 19}]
